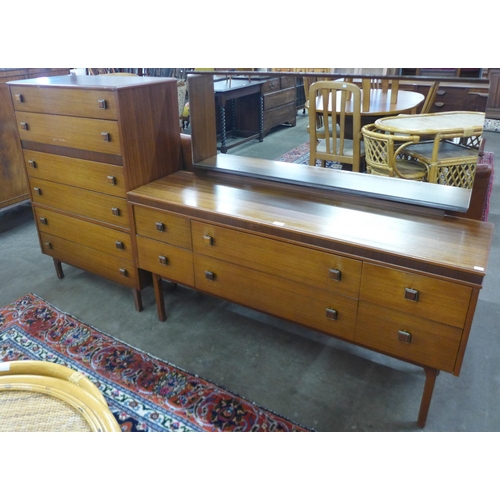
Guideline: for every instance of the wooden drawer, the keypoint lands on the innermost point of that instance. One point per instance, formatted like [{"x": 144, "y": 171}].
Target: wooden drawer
[
  {"x": 86, "y": 103},
  {"x": 97, "y": 206},
  {"x": 101, "y": 177},
  {"x": 449, "y": 99},
  {"x": 287, "y": 82},
  {"x": 409, "y": 337},
  {"x": 279, "y": 115},
  {"x": 80, "y": 133},
  {"x": 171, "y": 262},
  {"x": 162, "y": 226},
  {"x": 122, "y": 271},
  {"x": 103, "y": 239},
  {"x": 293, "y": 301},
  {"x": 271, "y": 85},
  {"x": 435, "y": 299},
  {"x": 279, "y": 98},
  {"x": 298, "y": 264}
]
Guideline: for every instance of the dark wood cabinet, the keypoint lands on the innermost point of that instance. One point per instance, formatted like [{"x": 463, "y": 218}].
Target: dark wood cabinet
[{"x": 493, "y": 102}]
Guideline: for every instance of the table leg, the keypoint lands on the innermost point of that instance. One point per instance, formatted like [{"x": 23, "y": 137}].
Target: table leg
[
  {"x": 430, "y": 379},
  {"x": 59, "y": 269},
  {"x": 261, "y": 118},
  {"x": 160, "y": 302},
  {"x": 137, "y": 300},
  {"x": 223, "y": 148}
]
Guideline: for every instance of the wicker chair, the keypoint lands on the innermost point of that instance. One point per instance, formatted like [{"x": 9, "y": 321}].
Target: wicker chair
[
  {"x": 38, "y": 396},
  {"x": 341, "y": 144},
  {"x": 383, "y": 155}
]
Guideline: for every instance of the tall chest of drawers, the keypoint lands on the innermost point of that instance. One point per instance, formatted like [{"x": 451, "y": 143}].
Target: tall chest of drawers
[{"x": 86, "y": 141}]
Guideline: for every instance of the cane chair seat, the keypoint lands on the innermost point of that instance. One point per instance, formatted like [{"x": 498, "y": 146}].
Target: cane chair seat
[
  {"x": 38, "y": 396},
  {"x": 383, "y": 155}
]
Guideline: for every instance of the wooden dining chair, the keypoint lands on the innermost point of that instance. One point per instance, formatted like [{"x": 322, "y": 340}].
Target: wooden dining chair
[
  {"x": 430, "y": 98},
  {"x": 383, "y": 155},
  {"x": 339, "y": 102}
]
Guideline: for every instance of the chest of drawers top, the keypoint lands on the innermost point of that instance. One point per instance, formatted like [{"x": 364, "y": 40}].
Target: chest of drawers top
[{"x": 441, "y": 245}]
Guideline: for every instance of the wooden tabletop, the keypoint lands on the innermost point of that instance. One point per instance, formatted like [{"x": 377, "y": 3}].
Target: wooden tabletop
[
  {"x": 468, "y": 122},
  {"x": 380, "y": 103}
]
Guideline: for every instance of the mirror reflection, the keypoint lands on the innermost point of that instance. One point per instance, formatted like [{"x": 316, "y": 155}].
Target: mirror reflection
[{"x": 417, "y": 124}]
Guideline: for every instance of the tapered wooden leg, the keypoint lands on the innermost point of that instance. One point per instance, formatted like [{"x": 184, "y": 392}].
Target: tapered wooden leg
[
  {"x": 160, "y": 302},
  {"x": 137, "y": 299},
  {"x": 59, "y": 269},
  {"x": 430, "y": 379}
]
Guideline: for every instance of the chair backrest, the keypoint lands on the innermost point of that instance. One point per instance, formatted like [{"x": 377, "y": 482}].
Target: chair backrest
[
  {"x": 429, "y": 99},
  {"x": 342, "y": 102},
  {"x": 382, "y": 149}
]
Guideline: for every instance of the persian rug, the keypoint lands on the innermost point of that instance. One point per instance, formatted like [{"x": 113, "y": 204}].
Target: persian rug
[
  {"x": 300, "y": 155},
  {"x": 143, "y": 392}
]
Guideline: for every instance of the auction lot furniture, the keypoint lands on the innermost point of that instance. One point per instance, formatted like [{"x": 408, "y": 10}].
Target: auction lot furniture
[
  {"x": 448, "y": 162},
  {"x": 371, "y": 260},
  {"x": 38, "y": 396},
  {"x": 86, "y": 140}
]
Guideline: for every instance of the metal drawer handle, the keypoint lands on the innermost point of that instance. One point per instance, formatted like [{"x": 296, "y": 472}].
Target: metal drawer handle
[
  {"x": 111, "y": 179},
  {"x": 38, "y": 191},
  {"x": 439, "y": 104},
  {"x": 160, "y": 226},
  {"x": 331, "y": 313},
  {"x": 24, "y": 126},
  {"x": 43, "y": 221},
  {"x": 101, "y": 103},
  {"x": 162, "y": 260},
  {"x": 210, "y": 275},
  {"x": 404, "y": 337},
  {"x": 411, "y": 294},
  {"x": 208, "y": 240},
  {"x": 19, "y": 97},
  {"x": 48, "y": 244},
  {"x": 115, "y": 211},
  {"x": 123, "y": 271},
  {"x": 334, "y": 274},
  {"x": 105, "y": 136},
  {"x": 32, "y": 163},
  {"x": 119, "y": 245}
]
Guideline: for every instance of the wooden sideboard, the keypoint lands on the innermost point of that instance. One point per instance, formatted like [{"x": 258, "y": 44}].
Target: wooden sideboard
[
  {"x": 86, "y": 141},
  {"x": 13, "y": 182},
  {"x": 385, "y": 274}
]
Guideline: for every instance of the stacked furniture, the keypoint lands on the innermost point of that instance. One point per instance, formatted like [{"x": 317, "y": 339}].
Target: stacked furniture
[{"x": 86, "y": 141}]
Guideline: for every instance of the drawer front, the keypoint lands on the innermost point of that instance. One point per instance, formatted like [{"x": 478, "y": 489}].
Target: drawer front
[
  {"x": 101, "y": 177},
  {"x": 81, "y": 133},
  {"x": 271, "y": 85},
  {"x": 279, "y": 98},
  {"x": 121, "y": 271},
  {"x": 303, "y": 265},
  {"x": 416, "y": 295},
  {"x": 103, "y": 239},
  {"x": 162, "y": 226},
  {"x": 171, "y": 262},
  {"x": 97, "y": 206},
  {"x": 287, "y": 82},
  {"x": 86, "y": 103},
  {"x": 279, "y": 115},
  {"x": 409, "y": 337},
  {"x": 327, "y": 312}
]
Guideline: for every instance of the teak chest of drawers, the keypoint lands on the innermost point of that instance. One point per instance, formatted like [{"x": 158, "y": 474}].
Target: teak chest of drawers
[
  {"x": 319, "y": 260},
  {"x": 86, "y": 141}
]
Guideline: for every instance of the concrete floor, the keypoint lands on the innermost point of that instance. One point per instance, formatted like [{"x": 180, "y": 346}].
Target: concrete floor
[{"x": 312, "y": 379}]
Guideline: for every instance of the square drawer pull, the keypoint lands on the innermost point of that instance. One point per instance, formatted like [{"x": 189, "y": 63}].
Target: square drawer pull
[
  {"x": 101, "y": 103},
  {"x": 48, "y": 244},
  {"x": 208, "y": 240},
  {"x": 32, "y": 163},
  {"x": 210, "y": 275},
  {"x": 111, "y": 179},
  {"x": 331, "y": 313},
  {"x": 334, "y": 274},
  {"x": 411, "y": 294},
  {"x": 162, "y": 260},
  {"x": 24, "y": 126},
  {"x": 404, "y": 337},
  {"x": 105, "y": 136},
  {"x": 123, "y": 271},
  {"x": 43, "y": 221},
  {"x": 19, "y": 97},
  {"x": 160, "y": 226},
  {"x": 115, "y": 211},
  {"x": 38, "y": 191},
  {"x": 119, "y": 245}
]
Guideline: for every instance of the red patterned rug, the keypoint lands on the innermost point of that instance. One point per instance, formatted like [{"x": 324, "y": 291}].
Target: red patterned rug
[
  {"x": 300, "y": 155},
  {"x": 143, "y": 392}
]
